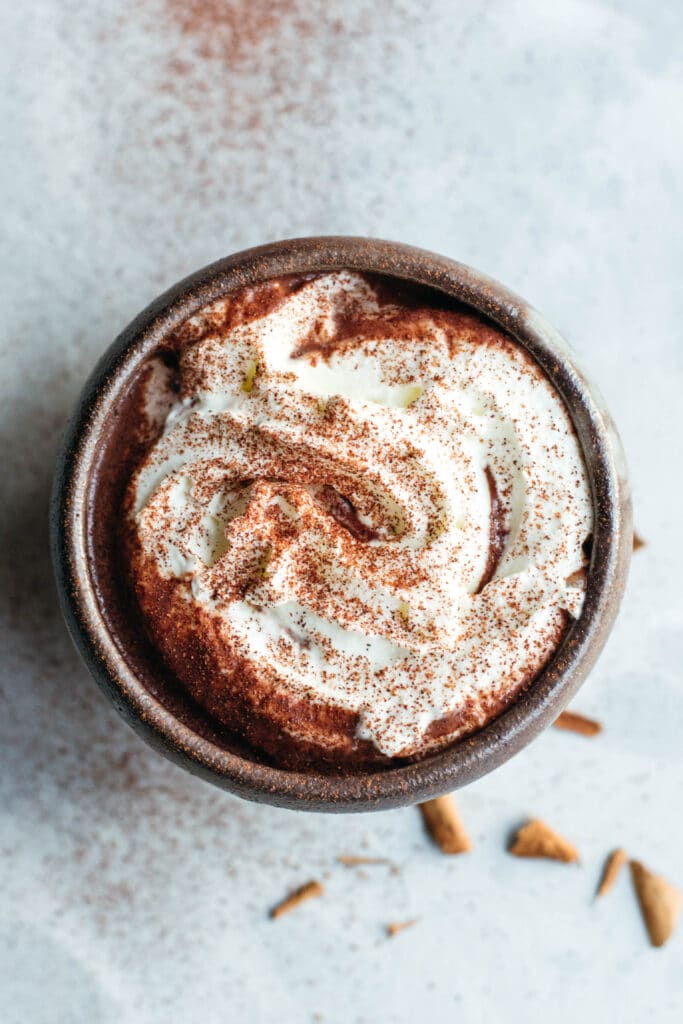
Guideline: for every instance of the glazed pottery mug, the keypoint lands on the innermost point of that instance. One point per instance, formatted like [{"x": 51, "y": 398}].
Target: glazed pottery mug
[{"x": 97, "y": 606}]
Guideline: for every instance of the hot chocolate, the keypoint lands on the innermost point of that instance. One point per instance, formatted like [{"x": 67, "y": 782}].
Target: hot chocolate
[{"x": 353, "y": 517}]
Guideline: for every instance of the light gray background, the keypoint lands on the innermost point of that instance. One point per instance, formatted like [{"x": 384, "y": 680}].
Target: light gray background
[{"x": 541, "y": 143}]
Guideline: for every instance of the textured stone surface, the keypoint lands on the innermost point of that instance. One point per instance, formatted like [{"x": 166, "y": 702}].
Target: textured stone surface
[{"x": 536, "y": 142}]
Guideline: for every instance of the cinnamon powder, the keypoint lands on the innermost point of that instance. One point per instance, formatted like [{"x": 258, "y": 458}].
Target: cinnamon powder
[{"x": 232, "y": 31}]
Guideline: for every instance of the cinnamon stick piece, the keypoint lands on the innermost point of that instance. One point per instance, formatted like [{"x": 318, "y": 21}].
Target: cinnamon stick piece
[
  {"x": 445, "y": 826},
  {"x": 573, "y": 722},
  {"x": 660, "y": 903},
  {"x": 300, "y": 895},
  {"x": 355, "y": 862},
  {"x": 398, "y": 926},
  {"x": 610, "y": 872},
  {"x": 536, "y": 839}
]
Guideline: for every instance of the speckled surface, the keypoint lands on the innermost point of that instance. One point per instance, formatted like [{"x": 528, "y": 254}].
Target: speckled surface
[{"x": 536, "y": 142}]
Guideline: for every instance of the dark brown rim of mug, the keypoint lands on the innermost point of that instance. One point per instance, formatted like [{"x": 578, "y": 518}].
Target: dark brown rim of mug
[{"x": 464, "y": 761}]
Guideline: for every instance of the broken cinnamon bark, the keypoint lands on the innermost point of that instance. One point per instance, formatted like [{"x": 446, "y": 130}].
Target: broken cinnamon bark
[
  {"x": 445, "y": 825},
  {"x": 300, "y": 895},
  {"x": 536, "y": 839},
  {"x": 610, "y": 873},
  {"x": 660, "y": 903},
  {"x": 573, "y": 722}
]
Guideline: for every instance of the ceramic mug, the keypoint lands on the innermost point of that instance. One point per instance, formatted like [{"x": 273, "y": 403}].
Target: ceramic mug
[{"x": 98, "y": 611}]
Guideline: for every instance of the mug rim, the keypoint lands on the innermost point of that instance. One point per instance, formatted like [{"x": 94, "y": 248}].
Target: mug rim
[{"x": 463, "y": 761}]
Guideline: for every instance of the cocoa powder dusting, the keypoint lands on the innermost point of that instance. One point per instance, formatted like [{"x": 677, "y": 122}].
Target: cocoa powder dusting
[{"x": 232, "y": 31}]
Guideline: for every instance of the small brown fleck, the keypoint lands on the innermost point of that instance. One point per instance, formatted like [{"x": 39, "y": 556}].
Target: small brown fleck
[
  {"x": 354, "y": 862},
  {"x": 398, "y": 926}
]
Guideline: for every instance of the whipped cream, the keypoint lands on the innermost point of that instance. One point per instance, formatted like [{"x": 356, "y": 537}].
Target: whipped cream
[{"x": 382, "y": 506}]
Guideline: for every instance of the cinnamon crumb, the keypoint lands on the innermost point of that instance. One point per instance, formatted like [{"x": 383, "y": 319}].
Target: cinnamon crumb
[
  {"x": 573, "y": 722},
  {"x": 300, "y": 895},
  {"x": 613, "y": 866},
  {"x": 638, "y": 542},
  {"x": 398, "y": 926},
  {"x": 354, "y": 862}
]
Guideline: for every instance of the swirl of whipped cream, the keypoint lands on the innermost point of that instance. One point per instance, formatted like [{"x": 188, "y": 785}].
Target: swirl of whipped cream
[{"x": 380, "y": 505}]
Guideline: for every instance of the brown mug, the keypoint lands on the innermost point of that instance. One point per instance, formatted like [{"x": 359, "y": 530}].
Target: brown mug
[{"x": 97, "y": 608}]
